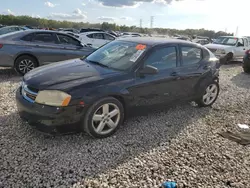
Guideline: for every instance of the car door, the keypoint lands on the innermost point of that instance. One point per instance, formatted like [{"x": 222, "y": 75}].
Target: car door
[
  {"x": 240, "y": 48},
  {"x": 72, "y": 47},
  {"x": 46, "y": 49},
  {"x": 161, "y": 87},
  {"x": 190, "y": 69},
  {"x": 98, "y": 40}
]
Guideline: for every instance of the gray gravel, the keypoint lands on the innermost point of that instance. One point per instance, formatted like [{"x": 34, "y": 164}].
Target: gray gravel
[{"x": 180, "y": 143}]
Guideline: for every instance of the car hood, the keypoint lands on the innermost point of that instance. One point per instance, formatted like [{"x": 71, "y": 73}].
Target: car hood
[
  {"x": 217, "y": 46},
  {"x": 66, "y": 74}
]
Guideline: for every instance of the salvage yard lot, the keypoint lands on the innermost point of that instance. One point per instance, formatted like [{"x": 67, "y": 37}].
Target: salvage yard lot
[{"x": 179, "y": 143}]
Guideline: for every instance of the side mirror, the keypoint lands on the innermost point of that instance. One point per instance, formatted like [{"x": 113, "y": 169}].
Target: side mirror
[{"x": 149, "y": 70}]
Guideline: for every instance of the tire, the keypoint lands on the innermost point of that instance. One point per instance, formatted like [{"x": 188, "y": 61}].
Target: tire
[
  {"x": 102, "y": 121},
  {"x": 24, "y": 64},
  {"x": 246, "y": 69},
  {"x": 229, "y": 57},
  {"x": 202, "y": 102}
]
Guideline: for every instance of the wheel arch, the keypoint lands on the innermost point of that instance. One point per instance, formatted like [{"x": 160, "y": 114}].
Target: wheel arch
[{"x": 26, "y": 54}]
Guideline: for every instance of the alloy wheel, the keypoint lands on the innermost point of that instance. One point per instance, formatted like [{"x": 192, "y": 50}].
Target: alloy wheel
[
  {"x": 210, "y": 94},
  {"x": 26, "y": 65},
  {"x": 106, "y": 118}
]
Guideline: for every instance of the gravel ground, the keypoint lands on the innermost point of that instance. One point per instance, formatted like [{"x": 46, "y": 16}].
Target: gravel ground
[{"x": 180, "y": 143}]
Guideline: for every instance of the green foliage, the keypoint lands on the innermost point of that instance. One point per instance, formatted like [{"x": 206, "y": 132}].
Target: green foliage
[{"x": 45, "y": 23}]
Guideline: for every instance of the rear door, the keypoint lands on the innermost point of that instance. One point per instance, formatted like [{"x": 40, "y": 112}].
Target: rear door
[
  {"x": 190, "y": 70},
  {"x": 46, "y": 49},
  {"x": 72, "y": 47},
  {"x": 98, "y": 40},
  {"x": 108, "y": 38}
]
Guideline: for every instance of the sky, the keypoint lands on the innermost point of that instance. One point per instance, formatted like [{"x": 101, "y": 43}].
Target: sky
[{"x": 218, "y": 15}]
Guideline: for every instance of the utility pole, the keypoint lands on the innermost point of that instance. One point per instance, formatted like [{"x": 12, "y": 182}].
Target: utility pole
[
  {"x": 140, "y": 23},
  {"x": 151, "y": 22},
  {"x": 236, "y": 33}
]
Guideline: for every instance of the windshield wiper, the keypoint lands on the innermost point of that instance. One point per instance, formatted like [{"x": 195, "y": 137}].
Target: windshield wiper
[{"x": 98, "y": 63}]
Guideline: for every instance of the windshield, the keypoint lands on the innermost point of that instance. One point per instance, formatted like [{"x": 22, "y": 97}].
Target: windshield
[
  {"x": 118, "y": 55},
  {"x": 230, "y": 41}
]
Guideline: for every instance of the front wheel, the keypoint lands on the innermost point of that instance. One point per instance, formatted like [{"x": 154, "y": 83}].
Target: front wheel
[
  {"x": 24, "y": 64},
  {"x": 103, "y": 118},
  {"x": 210, "y": 95},
  {"x": 246, "y": 69}
]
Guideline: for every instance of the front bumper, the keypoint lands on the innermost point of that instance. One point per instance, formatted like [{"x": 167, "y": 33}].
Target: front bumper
[{"x": 43, "y": 115}]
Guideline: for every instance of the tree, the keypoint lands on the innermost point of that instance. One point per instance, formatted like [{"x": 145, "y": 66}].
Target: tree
[{"x": 45, "y": 23}]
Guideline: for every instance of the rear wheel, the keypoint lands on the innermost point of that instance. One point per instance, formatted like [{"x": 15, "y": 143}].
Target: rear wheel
[
  {"x": 209, "y": 95},
  {"x": 25, "y": 63},
  {"x": 103, "y": 118},
  {"x": 229, "y": 57}
]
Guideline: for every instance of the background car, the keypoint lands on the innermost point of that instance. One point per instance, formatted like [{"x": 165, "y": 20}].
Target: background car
[
  {"x": 96, "y": 39},
  {"x": 97, "y": 91},
  {"x": 201, "y": 41},
  {"x": 29, "y": 49},
  {"x": 83, "y": 30},
  {"x": 230, "y": 48},
  {"x": 10, "y": 29}
]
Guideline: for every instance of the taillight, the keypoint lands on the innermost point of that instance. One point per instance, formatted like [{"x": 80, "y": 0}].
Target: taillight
[
  {"x": 1, "y": 45},
  {"x": 247, "y": 52}
]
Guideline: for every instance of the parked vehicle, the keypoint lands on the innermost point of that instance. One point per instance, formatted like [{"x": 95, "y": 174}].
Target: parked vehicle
[
  {"x": 10, "y": 29},
  {"x": 201, "y": 41},
  {"x": 183, "y": 38},
  {"x": 72, "y": 30},
  {"x": 83, "y": 30},
  {"x": 131, "y": 34},
  {"x": 29, "y": 49},
  {"x": 72, "y": 34},
  {"x": 96, "y": 39},
  {"x": 246, "y": 62},
  {"x": 229, "y": 47},
  {"x": 98, "y": 90}
]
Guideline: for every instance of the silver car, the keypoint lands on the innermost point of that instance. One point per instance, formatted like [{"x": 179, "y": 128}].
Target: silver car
[
  {"x": 10, "y": 29},
  {"x": 28, "y": 49}
]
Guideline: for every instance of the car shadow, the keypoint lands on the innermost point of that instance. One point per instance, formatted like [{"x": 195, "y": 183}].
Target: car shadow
[
  {"x": 10, "y": 75},
  {"x": 242, "y": 80},
  {"x": 78, "y": 156}
]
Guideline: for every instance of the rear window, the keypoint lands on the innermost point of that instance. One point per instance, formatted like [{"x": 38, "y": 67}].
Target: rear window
[{"x": 27, "y": 37}]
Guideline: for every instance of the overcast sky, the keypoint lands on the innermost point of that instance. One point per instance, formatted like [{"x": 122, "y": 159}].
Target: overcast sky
[{"x": 210, "y": 14}]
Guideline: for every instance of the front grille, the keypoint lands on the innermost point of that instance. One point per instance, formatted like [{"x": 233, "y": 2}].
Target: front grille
[
  {"x": 29, "y": 93},
  {"x": 212, "y": 50}
]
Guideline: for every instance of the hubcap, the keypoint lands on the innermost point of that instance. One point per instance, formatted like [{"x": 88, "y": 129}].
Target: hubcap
[
  {"x": 106, "y": 118},
  {"x": 210, "y": 94},
  {"x": 26, "y": 65}
]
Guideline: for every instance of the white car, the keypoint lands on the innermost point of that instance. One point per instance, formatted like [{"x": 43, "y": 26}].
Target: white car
[
  {"x": 96, "y": 39},
  {"x": 230, "y": 47}
]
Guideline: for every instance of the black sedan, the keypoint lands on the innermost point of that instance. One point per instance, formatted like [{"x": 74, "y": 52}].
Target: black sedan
[
  {"x": 99, "y": 89},
  {"x": 246, "y": 62}
]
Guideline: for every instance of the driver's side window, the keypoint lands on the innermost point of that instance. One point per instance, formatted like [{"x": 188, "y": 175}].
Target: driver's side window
[
  {"x": 163, "y": 58},
  {"x": 240, "y": 42}
]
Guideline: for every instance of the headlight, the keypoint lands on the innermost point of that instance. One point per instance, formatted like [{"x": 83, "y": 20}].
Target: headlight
[
  {"x": 220, "y": 51},
  {"x": 53, "y": 98}
]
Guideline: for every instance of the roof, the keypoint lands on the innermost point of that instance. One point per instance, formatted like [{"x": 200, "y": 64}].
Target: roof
[
  {"x": 25, "y": 32},
  {"x": 91, "y": 32},
  {"x": 152, "y": 41}
]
